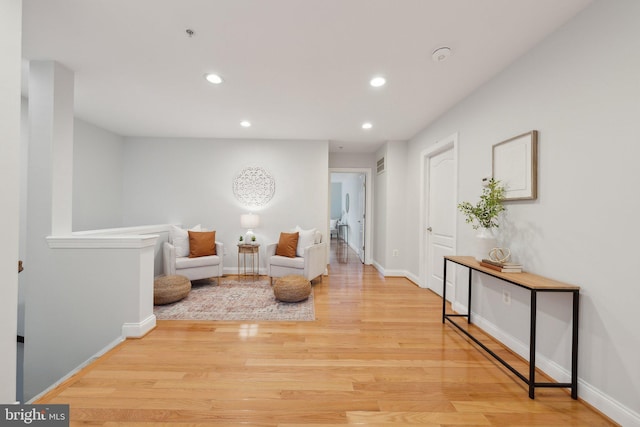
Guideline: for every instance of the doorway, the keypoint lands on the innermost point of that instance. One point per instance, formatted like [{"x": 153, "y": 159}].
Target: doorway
[
  {"x": 438, "y": 214},
  {"x": 349, "y": 206}
]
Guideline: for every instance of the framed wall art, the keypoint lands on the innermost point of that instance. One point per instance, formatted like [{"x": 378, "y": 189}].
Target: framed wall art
[{"x": 515, "y": 165}]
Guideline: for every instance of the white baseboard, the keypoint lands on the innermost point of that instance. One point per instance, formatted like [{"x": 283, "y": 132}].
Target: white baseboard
[
  {"x": 137, "y": 330},
  {"x": 586, "y": 392},
  {"x": 395, "y": 273},
  {"x": 378, "y": 267},
  {"x": 612, "y": 408},
  {"x": 458, "y": 308},
  {"x": 388, "y": 272},
  {"x": 78, "y": 368},
  {"x": 415, "y": 279}
]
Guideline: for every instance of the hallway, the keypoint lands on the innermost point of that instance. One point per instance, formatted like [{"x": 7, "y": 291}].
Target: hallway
[{"x": 377, "y": 354}]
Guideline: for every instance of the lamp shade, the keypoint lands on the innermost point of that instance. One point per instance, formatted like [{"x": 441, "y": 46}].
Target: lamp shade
[{"x": 249, "y": 221}]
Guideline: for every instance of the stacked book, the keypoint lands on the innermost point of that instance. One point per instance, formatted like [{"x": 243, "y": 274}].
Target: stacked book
[{"x": 503, "y": 267}]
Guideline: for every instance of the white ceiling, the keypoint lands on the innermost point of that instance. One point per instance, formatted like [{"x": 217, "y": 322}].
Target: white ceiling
[{"x": 297, "y": 69}]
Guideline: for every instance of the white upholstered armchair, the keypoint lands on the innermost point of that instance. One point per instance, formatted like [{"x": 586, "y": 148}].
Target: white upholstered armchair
[
  {"x": 309, "y": 261},
  {"x": 176, "y": 257}
]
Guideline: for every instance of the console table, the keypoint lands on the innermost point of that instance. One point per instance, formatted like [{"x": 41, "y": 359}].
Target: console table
[
  {"x": 534, "y": 284},
  {"x": 343, "y": 229}
]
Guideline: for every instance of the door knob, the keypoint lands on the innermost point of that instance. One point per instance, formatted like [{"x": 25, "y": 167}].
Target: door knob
[{"x": 429, "y": 229}]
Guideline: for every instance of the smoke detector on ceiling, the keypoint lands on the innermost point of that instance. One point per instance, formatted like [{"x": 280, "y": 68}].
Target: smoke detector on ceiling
[{"x": 441, "y": 54}]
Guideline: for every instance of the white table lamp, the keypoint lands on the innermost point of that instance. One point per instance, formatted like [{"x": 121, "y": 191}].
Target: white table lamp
[{"x": 249, "y": 221}]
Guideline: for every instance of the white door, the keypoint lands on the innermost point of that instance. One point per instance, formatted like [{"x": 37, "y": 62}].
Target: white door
[
  {"x": 441, "y": 218},
  {"x": 361, "y": 218}
]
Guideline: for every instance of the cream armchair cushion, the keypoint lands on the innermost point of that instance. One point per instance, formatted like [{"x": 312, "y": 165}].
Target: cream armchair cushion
[
  {"x": 179, "y": 238},
  {"x": 176, "y": 258},
  {"x": 310, "y": 265},
  {"x": 306, "y": 238}
]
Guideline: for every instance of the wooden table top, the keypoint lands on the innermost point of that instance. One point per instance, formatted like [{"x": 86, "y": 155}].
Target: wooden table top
[
  {"x": 527, "y": 280},
  {"x": 248, "y": 247}
]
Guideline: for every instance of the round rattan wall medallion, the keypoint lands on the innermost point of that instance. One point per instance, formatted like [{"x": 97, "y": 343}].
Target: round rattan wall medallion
[{"x": 254, "y": 186}]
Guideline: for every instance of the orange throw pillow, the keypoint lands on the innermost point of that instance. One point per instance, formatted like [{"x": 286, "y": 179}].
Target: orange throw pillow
[
  {"x": 202, "y": 243},
  {"x": 287, "y": 244}
]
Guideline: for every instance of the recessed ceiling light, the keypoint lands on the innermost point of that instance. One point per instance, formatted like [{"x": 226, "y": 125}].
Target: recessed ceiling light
[
  {"x": 367, "y": 125},
  {"x": 377, "y": 81},
  {"x": 213, "y": 78},
  {"x": 245, "y": 124},
  {"x": 441, "y": 54}
]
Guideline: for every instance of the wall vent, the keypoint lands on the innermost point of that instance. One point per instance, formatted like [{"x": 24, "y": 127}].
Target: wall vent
[{"x": 380, "y": 167}]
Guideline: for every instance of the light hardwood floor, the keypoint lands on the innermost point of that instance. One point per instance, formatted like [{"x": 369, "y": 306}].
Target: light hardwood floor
[{"x": 377, "y": 355}]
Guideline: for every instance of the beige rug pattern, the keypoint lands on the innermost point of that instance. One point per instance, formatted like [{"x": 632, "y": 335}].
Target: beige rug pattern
[{"x": 233, "y": 299}]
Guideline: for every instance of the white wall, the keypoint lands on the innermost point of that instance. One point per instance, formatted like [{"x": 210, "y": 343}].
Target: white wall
[
  {"x": 579, "y": 88},
  {"x": 352, "y": 160},
  {"x": 189, "y": 181},
  {"x": 97, "y": 203},
  {"x": 396, "y": 197},
  {"x": 97, "y": 177},
  {"x": 10, "y": 60},
  {"x": 336, "y": 199},
  {"x": 49, "y": 170},
  {"x": 390, "y": 198},
  {"x": 77, "y": 304},
  {"x": 381, "y": 191},
  {"x": 92, "y": 293}
]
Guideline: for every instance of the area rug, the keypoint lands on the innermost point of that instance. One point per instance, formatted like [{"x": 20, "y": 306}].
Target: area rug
[{"x": 233, "y": 299}]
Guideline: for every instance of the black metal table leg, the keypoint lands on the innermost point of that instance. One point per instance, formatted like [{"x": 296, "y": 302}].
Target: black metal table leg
[
  {"x": 532, "y": 346},
  {"x": 574, "y": 346},
  {"x": 469, "y": 300},
  {"x": 444, "y": 291}
]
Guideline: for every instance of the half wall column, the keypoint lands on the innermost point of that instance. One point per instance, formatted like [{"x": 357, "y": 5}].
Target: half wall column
[
  {"x": 49, "y": 209},
  {"x": 51, "y": 146}
]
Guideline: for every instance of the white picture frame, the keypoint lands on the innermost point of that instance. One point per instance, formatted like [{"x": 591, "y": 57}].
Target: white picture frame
[{"x": 515, "y": 165}]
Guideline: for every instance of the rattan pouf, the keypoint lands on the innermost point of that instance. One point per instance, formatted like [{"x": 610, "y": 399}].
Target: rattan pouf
[
  {"x": 292, "y": 288},
  {"x": 168, "y": 289}
]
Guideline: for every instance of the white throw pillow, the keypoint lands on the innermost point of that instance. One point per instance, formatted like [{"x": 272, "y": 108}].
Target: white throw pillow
[
  {"x": 179, "y": 238},
  {"x": 305, "y": 238}
]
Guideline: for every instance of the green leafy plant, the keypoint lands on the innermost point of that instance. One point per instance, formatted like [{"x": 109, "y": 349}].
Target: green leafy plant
[
  {"x": 485, "y": 213},
  {"x": 241, "y": 238},
  {"x": 253, "y": 238}
]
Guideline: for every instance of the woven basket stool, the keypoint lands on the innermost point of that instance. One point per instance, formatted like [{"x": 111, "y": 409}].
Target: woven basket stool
[
  {"x": 292, "y": 288},
  {"x": 168, "y": 289}
]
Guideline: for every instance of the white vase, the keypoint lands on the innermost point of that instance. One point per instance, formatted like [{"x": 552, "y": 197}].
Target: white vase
[{"x": 485, "y": 241}]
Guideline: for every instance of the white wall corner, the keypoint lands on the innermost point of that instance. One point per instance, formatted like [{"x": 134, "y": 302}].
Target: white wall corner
[
  {"x": 415, "y": 279},
  {"x": 390, "y": 272},
  {"x": 378, "y": 267},
  {"x": 139, "y": 329}
]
